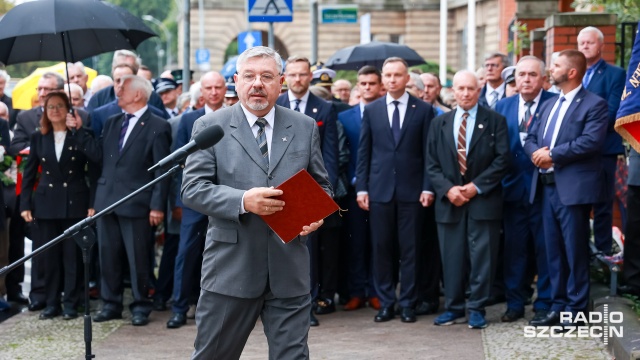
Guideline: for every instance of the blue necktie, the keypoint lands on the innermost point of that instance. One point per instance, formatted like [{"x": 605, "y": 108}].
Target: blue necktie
[
  {"x": 586, "y": 79},
  {"x": 297, "y": 108},
  {"x": 395, "y": 122},
  {"x": 548, "y": 136},
  {"x": 261, "y": 139},
  {"x": 123, "y": 130}
]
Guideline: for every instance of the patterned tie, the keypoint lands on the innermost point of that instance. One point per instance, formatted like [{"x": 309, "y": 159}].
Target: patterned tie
[
  {"x": 261, "y": 139},
  {"x": 524, "y": 124},
  {"x": 297, "y": 108},
  {"x": 494, "y": 99},
  {"x": 462, "y": 144},
  {"x": 123, "y": 130},
  {"x": 548, "y": 136},
  {"x": 395, "y": 122}
]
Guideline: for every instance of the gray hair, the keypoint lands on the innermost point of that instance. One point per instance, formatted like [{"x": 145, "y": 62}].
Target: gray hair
[
  {"x": 593, "y": 29},
  {"x": 262, "y": 52},
  {"x": 126, "y": 53},
  {"x": 320, "y": 92},
  {"x": 78, "y": 65},
  {"x": 195, "y": 92},
  {"x": 5, "y": 75},
  {"x": 504, "y": 58},
  {"x": 100, "y": 82},
  {"x": 183, "y": 99},
  {"x": 417, "y": 81},
  {"x": 531, "y": 57},
  {"x": 54, "y": 75},
  {"x": 73, "y": 87},
  {"x": 139, "y": 83}
]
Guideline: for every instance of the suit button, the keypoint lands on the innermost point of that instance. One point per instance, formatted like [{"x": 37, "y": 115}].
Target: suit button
[
  {"x": 43, "y": 160},
  {"x": 64, "y": 184},
  {"x": 73, "y": 158},
  {"x": 47, "y": 173},
  {"x": 70, "y": 171},
  {"x": 270, "y": 177},
  {"x": 50, "y": 185}
]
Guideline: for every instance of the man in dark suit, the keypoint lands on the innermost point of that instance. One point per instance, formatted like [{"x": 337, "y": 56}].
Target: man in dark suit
[
  {"x": 298, "y": 98},
  {"x": 522, "y": 220},
  {"x": 194, "y": 224},
  {"x": 392, "y": 184},
  {"x": 606, "y": 81},
  {"x": 359, "y": 278},
  {"x": 131, "y": 142},
  {"x": 247, "y": 270},
  {"x": 631, "y": 272},
  {"x": 494, "y": 89},
  {"x": 468, "y": 156},
  {"x": 565, "y": 144}
]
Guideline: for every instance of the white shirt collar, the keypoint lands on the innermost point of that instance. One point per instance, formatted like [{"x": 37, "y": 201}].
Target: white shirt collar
[
  {"x": 292, "y": 97},
  {"x": 571, "y": 94},
  {"x": 404, "y": 99},
  {"x": 251, "y": 118}
]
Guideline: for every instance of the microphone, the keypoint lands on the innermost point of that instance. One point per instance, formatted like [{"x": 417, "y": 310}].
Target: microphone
[{"x": 203, "y": 140}]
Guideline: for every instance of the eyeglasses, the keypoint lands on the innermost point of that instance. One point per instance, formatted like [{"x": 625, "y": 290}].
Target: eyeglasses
[
  {"x": 45, "y": 89},
  {"x": 265, "y": 78},
  {"x": 488, "y": 66},
  {"x": 297, "y": 76},
  {"x": 59, "y": 107}
]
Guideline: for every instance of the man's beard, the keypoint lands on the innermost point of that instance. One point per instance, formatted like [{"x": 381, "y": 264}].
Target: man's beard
[
  {"x": 561, "y": 79},
  {"x": 257, "y": 105}
]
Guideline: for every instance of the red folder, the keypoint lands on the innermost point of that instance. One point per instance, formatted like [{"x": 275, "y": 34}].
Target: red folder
[{"x": 305, "y": 202}]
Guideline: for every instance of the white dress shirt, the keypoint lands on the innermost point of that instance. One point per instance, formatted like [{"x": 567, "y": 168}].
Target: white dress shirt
[{"x": 303, "y": 101}]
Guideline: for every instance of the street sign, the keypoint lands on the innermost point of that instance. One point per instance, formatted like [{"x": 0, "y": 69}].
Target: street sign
[
  {"x": 338, "y": 14},
  {"x": 202, "y": 59},
  {"x": 249, "y": 39},
  {"x": 270, "y": 10}
]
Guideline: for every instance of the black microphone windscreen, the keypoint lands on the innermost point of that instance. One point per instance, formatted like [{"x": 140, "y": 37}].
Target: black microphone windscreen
[{"x": 208, "y": 137}]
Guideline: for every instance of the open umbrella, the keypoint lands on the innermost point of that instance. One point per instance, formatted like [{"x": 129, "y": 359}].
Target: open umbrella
[
  {"x": 373, "y": 53},
  {"x": 25, "y": 89}
]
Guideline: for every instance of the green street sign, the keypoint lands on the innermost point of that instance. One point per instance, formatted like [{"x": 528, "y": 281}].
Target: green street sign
[{"x": 338, "y": 14}]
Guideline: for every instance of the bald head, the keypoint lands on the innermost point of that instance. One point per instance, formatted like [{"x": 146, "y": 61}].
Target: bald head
[
  {"x": 466, "y": 89},
  {"x": 213, "y": 88}
]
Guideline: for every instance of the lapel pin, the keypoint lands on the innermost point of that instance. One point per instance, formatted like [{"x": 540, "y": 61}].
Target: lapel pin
[
  {"x": 414, "y": 105},
  {"x": 141, "y": 124},
  {"x": 70, "y": 148},
  {"x": 315, "y": 110},
  {"x": 578, "y": 100},
  {"x": 284, "y": 138},
  {"x": 480, "y": 126}
]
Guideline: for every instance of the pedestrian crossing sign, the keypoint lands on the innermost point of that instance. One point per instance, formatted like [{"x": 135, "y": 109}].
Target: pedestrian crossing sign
[{"x": 270, "y": 10}]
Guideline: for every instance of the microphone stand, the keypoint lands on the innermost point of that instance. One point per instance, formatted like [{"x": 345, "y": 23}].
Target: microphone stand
[{"x": 85, "y": 237}]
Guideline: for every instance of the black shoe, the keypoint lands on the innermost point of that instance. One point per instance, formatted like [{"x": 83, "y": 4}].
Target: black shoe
[
  {"x": 385, "y": 314},
  {"x": 50, "y": 312},
  {"x": 139, "y": 319},
  {"x": 313, "y": 321},
  {"x": 511, "y": 315},
  {"x": 159, "y": 304},
  {"x": 17, "y": 298},
  {"x": 408, "y": 315},
  {"x": 107, "y": 315},
  {"x": 177, "y": 320},
  {"x": 628, "y": 289},
  {"x": 540, "y": 315},
  {"x": 69, "y": 315},
  {"x": 427, "y": 308},
  {"x": 552, "y": 318},
  {"x": 495, "y": 299},
  {"x": 325, "y": 306},
  {"x": 37, "y": 305}
]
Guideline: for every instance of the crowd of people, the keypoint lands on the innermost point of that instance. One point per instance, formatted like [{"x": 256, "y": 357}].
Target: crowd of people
[{"x": 480, "y": 192}]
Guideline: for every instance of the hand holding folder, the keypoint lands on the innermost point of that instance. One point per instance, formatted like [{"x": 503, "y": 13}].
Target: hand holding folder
[{"x": 305, "y": 201}]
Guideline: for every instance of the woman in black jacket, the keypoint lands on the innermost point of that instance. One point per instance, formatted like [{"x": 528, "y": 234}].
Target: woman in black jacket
[{"x": 61, "y": 197}]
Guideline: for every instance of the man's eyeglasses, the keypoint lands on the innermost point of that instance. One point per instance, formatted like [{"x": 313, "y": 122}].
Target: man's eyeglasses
[
  {"x": 59, "y": 107},
  {"x": 488, "y": 66},
  {"x": 265, "y": 78},
  {"x": 45, "y": 89}
]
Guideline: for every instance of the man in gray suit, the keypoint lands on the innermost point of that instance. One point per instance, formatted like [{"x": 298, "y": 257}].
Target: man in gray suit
[{"x": 247, "y": 271}]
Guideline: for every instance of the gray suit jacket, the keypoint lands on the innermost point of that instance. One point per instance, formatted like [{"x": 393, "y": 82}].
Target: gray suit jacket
[{"x": 241, "y": 252}]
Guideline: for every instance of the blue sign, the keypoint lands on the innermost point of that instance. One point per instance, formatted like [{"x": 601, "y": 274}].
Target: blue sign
[
  {"x": 202, "y": 56},
  {"x": 270, "y": 10},
  {"x": 249, "y": 39}
]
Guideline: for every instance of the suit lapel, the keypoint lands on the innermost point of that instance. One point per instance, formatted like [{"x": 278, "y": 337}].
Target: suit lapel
[
  {"x": 282, "y": 137},
  {"x": 137, "y": 129},
  {"x": 243, "y": 134},
  {"x": 49, "y": 153},
  {"x": 447, "y": 127},
  {"x": 311, "y": 109},
  {"x": 479, "y": 130},
  {"x": 408, "y": 117},
  {"x": 566, "y": 119},
  {"x": 66, "y": 152}
]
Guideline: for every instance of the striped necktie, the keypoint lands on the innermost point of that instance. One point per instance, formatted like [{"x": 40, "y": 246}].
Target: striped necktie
[
  {"x": 261, "y": 139},
  {"x": 297, "y": 108},
  {"x": 123, "y": 130},
  {"x": 462, "y": 144}
]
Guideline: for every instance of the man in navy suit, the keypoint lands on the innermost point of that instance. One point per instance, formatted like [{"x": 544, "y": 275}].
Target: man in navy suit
[
  {"x": 468, "y": 157},
  {"x": 606, "y": 81},
  {"x": 565, "y": 144},
  {"x": 194, "y": 224},
  {"x": 494, "y": 89},
  {"x": 392, "y": 184},
  {"x": 359, "y": 278},
  {"x": 631, "y": 272},
  {"x": 522, "y": 220},
  {"x": 298, "y": 76}
]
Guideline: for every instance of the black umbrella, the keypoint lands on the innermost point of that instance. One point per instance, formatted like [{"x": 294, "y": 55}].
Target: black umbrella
[
  {"x": 67, "y": 30},
  {"x": 373, "y": 53}
]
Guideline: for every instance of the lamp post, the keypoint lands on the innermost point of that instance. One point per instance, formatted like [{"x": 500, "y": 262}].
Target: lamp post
[{"x": 167, "y": 35}]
